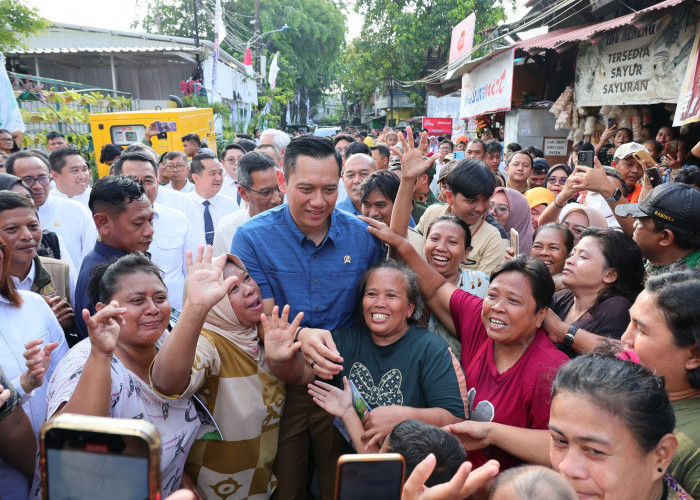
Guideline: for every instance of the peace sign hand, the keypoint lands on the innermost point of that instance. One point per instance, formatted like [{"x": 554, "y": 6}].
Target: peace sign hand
[{"x": 412, "y": 163}]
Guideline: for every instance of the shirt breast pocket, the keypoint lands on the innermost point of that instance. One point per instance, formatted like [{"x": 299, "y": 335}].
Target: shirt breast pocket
[{"x": 167, "y": 252}]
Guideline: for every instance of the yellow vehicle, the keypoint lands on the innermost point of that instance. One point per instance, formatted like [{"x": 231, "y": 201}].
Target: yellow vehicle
[{"x": 127, "y": 127}]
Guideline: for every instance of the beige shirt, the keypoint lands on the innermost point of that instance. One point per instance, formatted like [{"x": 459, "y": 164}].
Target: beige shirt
[{"x": 488, "y": 248}]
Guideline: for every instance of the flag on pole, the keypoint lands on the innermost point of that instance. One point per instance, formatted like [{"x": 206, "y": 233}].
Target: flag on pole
[
  {"x": 248, "y": 62},
  {"x": 219, "y": 34},
  {"x": 308, "y": 105},
  {"x": 219, "y": 26},
  {"x": 288, "y": 118},
  {"x": 274, "y": 69}
]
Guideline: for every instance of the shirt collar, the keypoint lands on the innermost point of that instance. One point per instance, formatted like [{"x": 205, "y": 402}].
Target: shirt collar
[
  {"x": 28, "y": 281},
  {"x": 108, "y": 251},
  {"x": 333, "y": 231},
  {"x": 199, "y": 199}
]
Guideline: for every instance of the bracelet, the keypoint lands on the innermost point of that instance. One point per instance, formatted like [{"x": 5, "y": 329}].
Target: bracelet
[
  {"x": 296, "y": 335},
  {"x": 558, "y": 205}
]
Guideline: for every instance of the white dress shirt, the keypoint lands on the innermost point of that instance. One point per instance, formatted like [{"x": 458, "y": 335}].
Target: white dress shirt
[
  {"x": 230, "y": 188},
  {"x": 83, "y": 198},
  {"x": 73, "y": 222},
  {"x": 173, "y": 236},
  {"x": 18, "y": 325},
  {"x": 28, "y": 281},
  {"x": 187, "y": 188},
  {"x": 219, "y": 206},
  {"x": 226, "y": 228},
  {"x": 175, "y": 199}
]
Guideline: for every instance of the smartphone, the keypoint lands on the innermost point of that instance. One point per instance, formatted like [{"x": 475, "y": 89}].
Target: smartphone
[
  {"x": 612, "y": 122},
  {"x": 654, "y": 175},
  {"x": 671, "y": 149},
  {"x": 514, "y": 240},
  {"x": 166, "y": 127},
  {"x": 377, "y": 476},
  {"x": 644, "y": 158},
  {"x": 458, "y": 155},
  {"x": 85, "y": 457},
  {"x": 585, "y": 158}
]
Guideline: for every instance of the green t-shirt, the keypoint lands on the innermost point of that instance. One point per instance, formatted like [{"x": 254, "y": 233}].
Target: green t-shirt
[
  {"x": 685, "y": 466},
  {"x": 418, "y": 370}
]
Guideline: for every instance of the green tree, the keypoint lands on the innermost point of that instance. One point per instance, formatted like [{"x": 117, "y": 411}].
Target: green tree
[
  {"x": 309, "y": 51},
  {"x": 18, "y": 21},
  {"x": 401, "y": 38}
]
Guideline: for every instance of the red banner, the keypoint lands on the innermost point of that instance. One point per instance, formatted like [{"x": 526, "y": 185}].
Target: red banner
[{"x": 438, "y": 126}]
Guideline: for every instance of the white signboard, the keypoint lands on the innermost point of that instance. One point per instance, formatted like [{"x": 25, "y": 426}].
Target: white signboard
[
  {"x": 488, "y": 87},
  {"x": 555, "y": 147},
  {"x": 636, "y": 66}
]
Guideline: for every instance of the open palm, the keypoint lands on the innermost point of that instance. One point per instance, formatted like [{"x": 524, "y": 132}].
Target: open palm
[{"x": 205, "y": 286}]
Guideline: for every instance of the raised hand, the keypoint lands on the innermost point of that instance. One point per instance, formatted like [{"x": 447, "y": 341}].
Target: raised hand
[
  {"x": 279, "y": 335},
  {"x": 463, "y": 484},
  {"x": 413, "y": 164},
  {"x": 38, "y": 362},
  {"x": 103, "y": 327},
  {"x": 472, "y": 434},
  {"x": 62, "y": 310},
  {"x": 335, "y": 401},
  {"x": 380, "y": 421},
  {"x": 382, "y": 231},
  {"x": 205, "y": 287}
]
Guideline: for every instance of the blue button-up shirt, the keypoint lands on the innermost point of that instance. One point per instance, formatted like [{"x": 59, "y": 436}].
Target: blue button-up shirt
[
  {"x": 101, "y": 254},
  {"x": 322, "y": 281},
  {"x": 348, "y": 206}
]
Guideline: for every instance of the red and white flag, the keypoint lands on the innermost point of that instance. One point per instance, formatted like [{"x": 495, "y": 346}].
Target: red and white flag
[{"x": 248, "y": 62}]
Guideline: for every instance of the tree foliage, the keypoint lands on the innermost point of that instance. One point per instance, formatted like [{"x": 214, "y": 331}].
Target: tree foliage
[
  {"x": 17, "y": 21},
  {"x": 309, "y": 51},
  {"x": 400, "y": 38}
]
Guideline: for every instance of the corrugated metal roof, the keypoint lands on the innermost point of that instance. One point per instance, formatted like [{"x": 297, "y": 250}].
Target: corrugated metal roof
[
  {"x": 560, "y": 40},
  {"x": 75, "y": 50}
]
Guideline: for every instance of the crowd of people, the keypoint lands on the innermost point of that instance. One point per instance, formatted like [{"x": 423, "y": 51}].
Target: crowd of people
[{"x": 514, "y": 329}]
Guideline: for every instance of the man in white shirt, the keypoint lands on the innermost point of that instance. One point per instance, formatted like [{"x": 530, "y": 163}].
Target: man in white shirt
[
  {"x": 176, "y": 165},
  {"x": 67, "y": 218},
  {"x": 208, "y": 174},
  {"x": 229, "y": 159},
  {"x": 71, "y": 173},
  {"x": 173, "y": 234},
  {"x": 259, "y": 186}
]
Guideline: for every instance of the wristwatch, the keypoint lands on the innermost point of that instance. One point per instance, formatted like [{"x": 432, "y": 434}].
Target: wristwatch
[
  {"x": 617, "y": 194},
  {"x": 570, "y": 334}
]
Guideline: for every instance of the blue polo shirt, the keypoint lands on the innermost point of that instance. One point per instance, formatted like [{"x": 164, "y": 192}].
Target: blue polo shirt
[
  {"x": 348, "y": 206},
  {"x": 101, "y": 254},
  {"x": 322, "y": 281}
]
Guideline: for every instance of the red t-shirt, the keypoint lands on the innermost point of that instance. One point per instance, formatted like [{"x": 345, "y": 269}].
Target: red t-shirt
[{"x": 520, "y": 396}]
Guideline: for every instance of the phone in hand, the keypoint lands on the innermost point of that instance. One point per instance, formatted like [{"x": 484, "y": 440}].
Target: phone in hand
[
  {"x": 585, "y": 158},
  {"x": 166, "y": 127},
  {"x": 654, "y": 175},
  {"x": 377, "y": 476},
  {"x": 514, "y": 240},
  {"x": 612, "y": 122},
  {"x": 643, "y": 157},
  {"x": 458, "y": 155},
  {"x": 671, "y": 149},
  {"x": 85, "y": 457}
]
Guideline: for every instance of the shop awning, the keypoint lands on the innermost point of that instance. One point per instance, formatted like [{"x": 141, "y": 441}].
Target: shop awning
[{"x": 562, "y": 39}]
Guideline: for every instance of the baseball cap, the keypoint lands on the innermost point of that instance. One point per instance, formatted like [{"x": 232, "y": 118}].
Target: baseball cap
[
  {"x": 675, "y": 204},
  {"x": 462, "y": 138},
  {"x": 539, "y": 196},
  {"x": 627, "y": 149},
  {"x": 540, "y": 166}
]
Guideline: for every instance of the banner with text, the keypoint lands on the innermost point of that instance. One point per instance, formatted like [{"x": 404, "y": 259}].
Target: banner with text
[
  {"x": 636, "y": 66},
  {"x": 488, "y": 87},
  {"x": 437, "y": 126},
  {"x": 462, "y": 38},
  {"x": 688, "y": 109}
]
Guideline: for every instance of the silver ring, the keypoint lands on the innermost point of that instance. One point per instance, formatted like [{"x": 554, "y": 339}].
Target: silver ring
[{"x": 313, "y": 363}]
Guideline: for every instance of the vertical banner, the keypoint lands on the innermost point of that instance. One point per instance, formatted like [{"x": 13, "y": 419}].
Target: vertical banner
[
  {"x": 462, "y": 38},
  {"x": 688, "y": 109},
  {"x": 488, "y": 87}
]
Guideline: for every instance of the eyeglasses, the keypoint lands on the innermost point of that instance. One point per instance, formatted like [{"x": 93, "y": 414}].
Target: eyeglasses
[
  {"x": 499, "y": 210},
  {"x": 6, "y": 139},
  {"x": 557, "y": 180},
  {"x": 43, "y": 180},
  {"x": 265, "y": 193},
  {"x": 176, "y": 167}
]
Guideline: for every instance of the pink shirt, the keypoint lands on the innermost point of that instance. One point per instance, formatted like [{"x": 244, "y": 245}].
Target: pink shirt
[{"x": 520, "y": 396}]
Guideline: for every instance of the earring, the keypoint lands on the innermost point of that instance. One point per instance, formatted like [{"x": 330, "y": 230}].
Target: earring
[{"x": 660, "y": 469}]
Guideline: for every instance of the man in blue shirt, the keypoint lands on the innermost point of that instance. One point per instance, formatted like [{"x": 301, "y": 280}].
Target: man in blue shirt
[
  {"x": 311, "y": 256},
  {"x": 356, "y": 169},
  {"x": 124, "y": 218}
]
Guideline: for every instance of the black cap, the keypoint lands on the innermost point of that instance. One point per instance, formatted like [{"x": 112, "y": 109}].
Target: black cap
[
  {"x": 540, "y": 166},
  {"x": 675, "y": 204}
]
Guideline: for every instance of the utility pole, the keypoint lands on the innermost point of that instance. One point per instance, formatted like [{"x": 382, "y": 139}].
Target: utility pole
[
  {"x": 257, "y": 44},
  {"x": 199, "y": 74},
  {"x": 391, "y": 102}
]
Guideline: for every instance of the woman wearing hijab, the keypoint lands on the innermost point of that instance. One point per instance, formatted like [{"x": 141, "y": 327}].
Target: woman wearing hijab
[
  {"x": 512, "y": 211},
  {"x": 577, "y": 218},
  {"x": 228, "y": 372}
]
